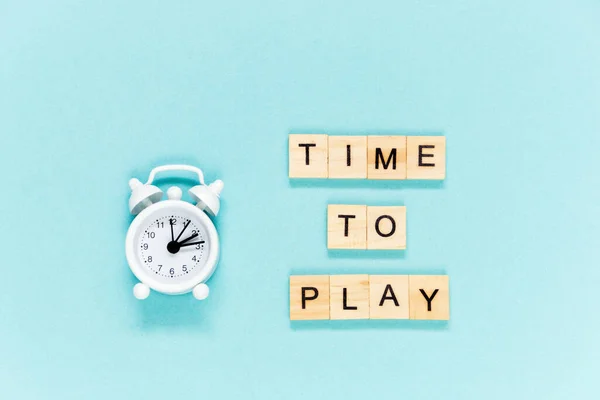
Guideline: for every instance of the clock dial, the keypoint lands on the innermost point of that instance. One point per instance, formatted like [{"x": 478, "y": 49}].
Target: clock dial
[{"x": 173, "y": 246}]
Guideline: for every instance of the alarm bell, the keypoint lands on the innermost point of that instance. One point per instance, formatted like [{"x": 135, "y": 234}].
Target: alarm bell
[
  {"x": 208, "y": 197},
  {"x": 142, "y": 196}
]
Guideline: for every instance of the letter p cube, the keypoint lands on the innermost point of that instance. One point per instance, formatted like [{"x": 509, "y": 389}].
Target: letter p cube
[{"x": 309, "y": 297}]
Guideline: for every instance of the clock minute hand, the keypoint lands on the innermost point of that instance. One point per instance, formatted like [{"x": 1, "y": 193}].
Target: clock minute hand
[
  {"x": 172, "y": 235},
  {"x": 189, "y": 238},
  {"x": 183, "y": 230},
  {"x": 190, "y": 244}
]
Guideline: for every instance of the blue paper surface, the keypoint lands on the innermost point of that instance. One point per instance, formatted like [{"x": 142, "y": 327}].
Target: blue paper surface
[{"x": 94, "y": 93}]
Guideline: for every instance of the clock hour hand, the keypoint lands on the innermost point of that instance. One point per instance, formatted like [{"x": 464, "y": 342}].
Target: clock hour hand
[
  {"x": 183, "y": 230},
  {"x": 190, "y": 244},
  {"x": 189, "y": 238}
]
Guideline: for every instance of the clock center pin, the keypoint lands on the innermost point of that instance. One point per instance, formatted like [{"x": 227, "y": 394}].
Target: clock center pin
[{"x": 173, "y": 247}]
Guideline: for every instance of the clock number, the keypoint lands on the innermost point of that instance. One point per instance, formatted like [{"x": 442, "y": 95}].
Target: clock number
[
  {"x": 160, "y": 224},
  {"x": 173, "y": 221},
  {"x": 149, "y": 258},
  {"x": 198, "y": 246},
  {"x": 194, "y": 258},
  {"x": 184, "y": 268},
  {"x": 159, "y": 267},
  {"x": 145, "y": 246},
  {"x": 151, "y": 235},
  {"x": 172, "y": 271}
]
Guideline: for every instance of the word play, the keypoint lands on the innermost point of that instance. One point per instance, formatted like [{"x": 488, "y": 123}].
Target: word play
[{"x": 341, "y": 297}]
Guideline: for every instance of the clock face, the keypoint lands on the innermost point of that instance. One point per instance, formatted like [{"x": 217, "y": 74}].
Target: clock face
[{"x": 172, "y": 245}]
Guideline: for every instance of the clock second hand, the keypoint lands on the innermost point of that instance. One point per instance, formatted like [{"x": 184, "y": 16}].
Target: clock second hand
[
  {"x": 183, "y": 230},
  {"x": 191, "y": 244}
]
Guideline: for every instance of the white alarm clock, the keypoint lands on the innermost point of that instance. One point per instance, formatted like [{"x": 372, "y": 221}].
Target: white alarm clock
[{"x": 172, "y": 246}]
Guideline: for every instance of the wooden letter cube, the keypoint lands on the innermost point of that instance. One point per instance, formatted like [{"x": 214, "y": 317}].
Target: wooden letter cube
[
  {"x": 349, "y": 296},
  {"x": 389, "y": 296},
  {"x": 308, "y": 156},
  {"x": 429, "y": 297},
  {"x": 386, "y": 157},
  {"x": 386, "y": 227},
  {"x": 348, "y": 157},
  {"x": 346, "y": 227},
  {"x": 309, "y": 297},
  {"x": 426, "y": 157}
]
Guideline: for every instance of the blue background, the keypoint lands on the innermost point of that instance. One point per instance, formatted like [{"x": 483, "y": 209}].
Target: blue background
[{"x": 94, "y": 93}]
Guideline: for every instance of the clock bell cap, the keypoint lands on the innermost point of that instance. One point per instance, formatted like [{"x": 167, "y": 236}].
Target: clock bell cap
[
  {"x": 142, "y": 196},
  {"x": 208, "y": 197}
]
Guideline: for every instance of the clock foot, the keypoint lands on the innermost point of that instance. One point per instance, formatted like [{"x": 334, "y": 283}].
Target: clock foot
[
  {"x": 201, "y": 291},
  {"x": 141, "y": 291}
]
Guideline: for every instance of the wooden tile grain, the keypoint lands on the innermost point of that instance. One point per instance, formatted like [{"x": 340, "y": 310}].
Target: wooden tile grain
[
  {"x": 429, "y": 297},
  {"x": 309, "y": 297},
  {"x": 389, "y": 296},
  {"x": 346, "y": 226},
  {"x": 308, "y": 155},
  {"x": 347, "y": 157},
  {"x": 426, "y": 157},
  {"x": 386, "y": 157},
  {"x": 349, "y": 296},
  {"x": 386, "y": 227}
]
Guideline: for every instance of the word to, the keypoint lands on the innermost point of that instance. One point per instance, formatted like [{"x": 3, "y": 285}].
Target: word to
[{"x": 366, "y": 227}]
